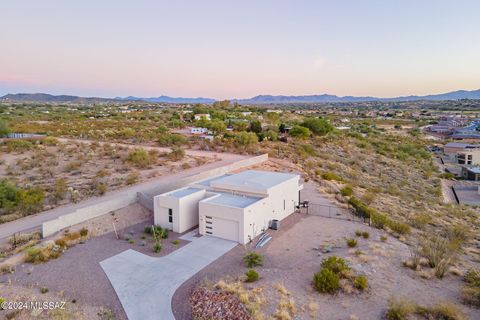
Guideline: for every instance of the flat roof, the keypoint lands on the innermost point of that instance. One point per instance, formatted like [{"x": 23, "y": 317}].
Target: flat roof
[
  {"x": 207, "y": 182},
  {"x": 231, "y": 200},
  {"x": 253, "y": 179},
  {"x": 473, "y": 169},
  {"x": 183, "y": 192}
]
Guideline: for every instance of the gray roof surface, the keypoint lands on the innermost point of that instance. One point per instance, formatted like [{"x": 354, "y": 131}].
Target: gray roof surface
[
  {"x": 207, "y": 182},
  {"x": 474, "y": 169},
  {"x": 183, "y": 192},
  {"x": 233, "y": 200},
  {"x": 253, "y": 179}
]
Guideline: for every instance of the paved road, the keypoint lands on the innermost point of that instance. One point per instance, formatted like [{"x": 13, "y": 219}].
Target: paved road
[
  {"x": 34, "y": 222},
  {"x": 145, "y": 285}
]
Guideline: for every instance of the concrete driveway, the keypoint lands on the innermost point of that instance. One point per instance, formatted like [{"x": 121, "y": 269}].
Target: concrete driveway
[{"x": 145, "y": 285}]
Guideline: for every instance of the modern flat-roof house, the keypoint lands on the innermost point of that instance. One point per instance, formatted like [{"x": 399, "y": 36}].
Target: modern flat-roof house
[
  {"x": 471, "y": 173},
  {"x": 236, "y": 207}
]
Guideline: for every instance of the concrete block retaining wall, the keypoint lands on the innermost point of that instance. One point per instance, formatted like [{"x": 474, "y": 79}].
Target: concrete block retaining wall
[{"x": 144, "y": 197}]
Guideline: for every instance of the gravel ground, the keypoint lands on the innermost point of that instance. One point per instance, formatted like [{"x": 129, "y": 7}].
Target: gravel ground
[{"x": 78, "y": 273}]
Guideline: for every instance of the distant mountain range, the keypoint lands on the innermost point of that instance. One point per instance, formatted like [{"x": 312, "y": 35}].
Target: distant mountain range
[
  {"x": 167, "y": 99},
  {"x": 261, "y": 99}
]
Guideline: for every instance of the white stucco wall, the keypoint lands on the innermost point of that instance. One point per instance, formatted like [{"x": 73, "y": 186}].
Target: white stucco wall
[
  {"x": 222, "y": 212},
  {"x": 184, "y": 211}
]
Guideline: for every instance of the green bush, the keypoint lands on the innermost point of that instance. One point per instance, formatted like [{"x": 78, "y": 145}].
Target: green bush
[
  {"x": 318, "y": 126},
  {"x": 176, "y": 154},
  {"x": 360, "y": 282},
  {"x": 176, "y": 242},
  {"x": 168, "y": 139},
  {"x": 351, "y": 242},
  {"x": 335, "y": 264},
  {"x": 43, "y": 290},
  {"x": 399, "y": 227},
  {"x": 346, "y": 191},
  {"x": 140, "y": 158},
  {"x": 153, "y": 229},
  {"x": 84, "y": 232},
  {"x": 331, "y": 176},
  {"x": 378, "y": 220},
  {"x": 365, "y": 234},
  {"x": 253, "y": 259},
  {"x": 399, "y": 309},
  {"x": 252, "y": 275},
  {"x": 157, "y": 247},
  {"x": 358, "y": 233},
  {"x": 2, "y": 300},
  {"x": 300, "y": 132},
  {"x": 50, "y": 141},
  {"x": 326, "y": 281},
  {"x": 383, "y": 238},
  {"x": 19, "y": 145}
]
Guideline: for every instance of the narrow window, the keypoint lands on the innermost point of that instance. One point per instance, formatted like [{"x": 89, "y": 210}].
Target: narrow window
[
  {"x": 283, "y": 204},
  {"x": 170, "y": 215}
]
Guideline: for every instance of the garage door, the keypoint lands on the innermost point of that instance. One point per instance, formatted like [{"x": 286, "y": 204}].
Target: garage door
[{"x": 221, "y": 228}]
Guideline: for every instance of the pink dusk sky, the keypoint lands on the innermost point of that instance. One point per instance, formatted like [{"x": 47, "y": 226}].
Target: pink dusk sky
[{"x": 239, "y": 49}]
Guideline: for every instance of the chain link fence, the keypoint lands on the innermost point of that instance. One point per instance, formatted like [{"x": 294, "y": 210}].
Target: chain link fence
[{"x": 332, "y": 212}]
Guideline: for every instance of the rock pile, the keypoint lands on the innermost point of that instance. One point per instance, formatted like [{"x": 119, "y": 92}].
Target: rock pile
[{"x": 217, "y": 305}]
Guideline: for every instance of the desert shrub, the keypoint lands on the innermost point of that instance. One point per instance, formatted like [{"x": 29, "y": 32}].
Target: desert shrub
[
  {"x": 358, "y": 233},
  {"x": 176, "y": 242},
  {"x": 50, "y": 141},
  {"x": 154, "y": 229},
  {"x": 35, "y": 255},
  {"x": 164, "y": 233},
  {"x": 383, "y": 238},
  {"x": 131, "y": 241},
  {"x": 421, "y": 220},
  {"x": 140, "y": 158},
  {"x": 318, "y": 126},
  {"x": 176, "y": 154},
  {"x": 253, "y": 259},
  {"x": 168, "y": 139},
  {"x": 440, "y": 252},
  {"x": 72, "y": 166},
  {"x": 443, "y": 311},
  {"x": 360, "y": 282},
  {"x": 157, "y": 247},
  {"x": 361, "y": 208},
  {"x": 351, "y": 242},
  {"x": 331, "y": 176},
  {"x": 470, "y": 293},
  {"x": 84, "y": 232},
  {"x": 132, "y": 178},
  {"x": 399, "y": 309},
  {"x": 59, "y": 190},
  {"x": 101, "y": 188},
  {"x": 6, "y": 268},
  {"x": 252, "y": 275},
  {"x": 2, "y": 300},
  {"x": 300, "y": 132},
  {"x": 245, "y": 139},
  {"x": 335, "y": 264},
  {"x": 398, "y": 227},
  {"x": 31, "y": 200},
  {"x": 61, "y": 243},
  {"x": 9, "y": 195},
  {"x": 346, "y": 191},
  {"x": 71, "y": 236},
  {"x": 472, "y": 277},
  {"x": 378, "y": 220},
  {"x": 326, "y": 281},
  {"x": 365, "y": 234},
  {"x": 19, "y": 145},
  {"x": 43, "y": 290}
]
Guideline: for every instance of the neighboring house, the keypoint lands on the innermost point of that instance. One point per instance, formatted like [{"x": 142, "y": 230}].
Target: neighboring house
[
  {"x": 452, "y": 148},
  {"x": 471, "y": 173},
  {"x": 201, "y": 116},
  {"x": 469, "y": 157},
  {"x": 236, "y": 207},
  {"x": 198, "y": 130}
]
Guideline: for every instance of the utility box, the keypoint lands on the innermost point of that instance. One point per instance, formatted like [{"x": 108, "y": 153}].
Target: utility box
[{"x": 275, "y": 224}]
